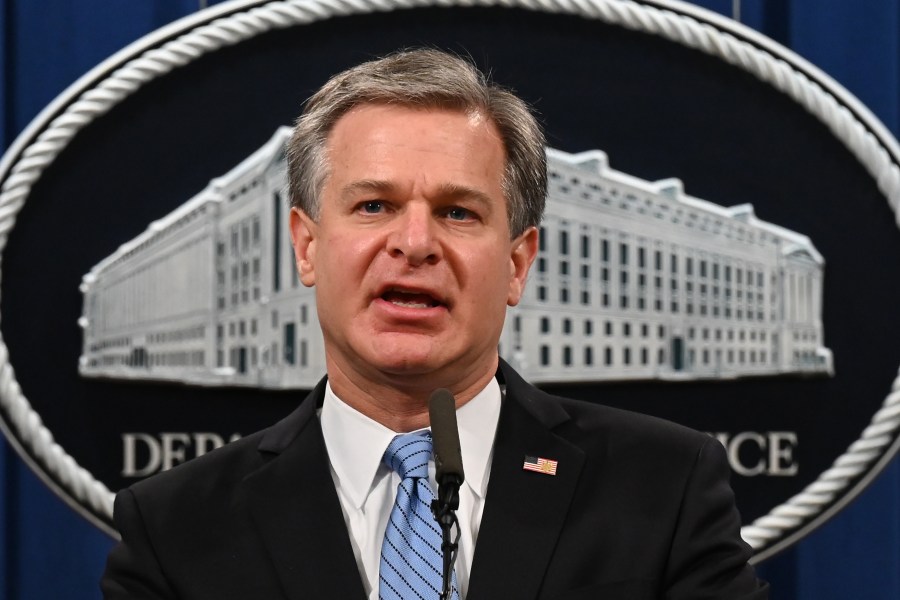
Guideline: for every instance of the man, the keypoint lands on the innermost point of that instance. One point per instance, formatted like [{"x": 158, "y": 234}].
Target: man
[{"x": 417, "y": 187}]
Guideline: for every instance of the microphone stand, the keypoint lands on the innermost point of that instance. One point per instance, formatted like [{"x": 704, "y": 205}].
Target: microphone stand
[
  {"x": 444, "y": 510},
  {"x": 449, "y": 474}
]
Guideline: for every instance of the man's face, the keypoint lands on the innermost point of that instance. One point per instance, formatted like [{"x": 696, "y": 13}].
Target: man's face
[{"x": 411, "y": 256}]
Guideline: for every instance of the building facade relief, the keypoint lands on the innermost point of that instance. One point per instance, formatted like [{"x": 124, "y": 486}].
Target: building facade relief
[{"x": 634, "y": 280}]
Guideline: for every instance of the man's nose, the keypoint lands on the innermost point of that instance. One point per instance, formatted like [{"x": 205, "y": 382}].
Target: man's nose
[{"x": 415, "y": 237}]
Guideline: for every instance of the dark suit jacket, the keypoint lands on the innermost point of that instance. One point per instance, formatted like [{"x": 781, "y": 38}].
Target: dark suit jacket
[{"x": 639, "y": 508}]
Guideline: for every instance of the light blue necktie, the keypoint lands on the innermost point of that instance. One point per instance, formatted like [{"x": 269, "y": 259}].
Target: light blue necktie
[{"x": 411, "y": 559}]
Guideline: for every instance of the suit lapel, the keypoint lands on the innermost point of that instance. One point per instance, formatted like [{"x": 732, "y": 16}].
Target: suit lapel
[
  {"x": 524, "y": 510},
  {"x": 293, "y": 503}
]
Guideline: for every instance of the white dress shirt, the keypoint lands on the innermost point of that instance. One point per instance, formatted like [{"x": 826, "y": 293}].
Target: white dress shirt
[{"x": 366, "y": 487}]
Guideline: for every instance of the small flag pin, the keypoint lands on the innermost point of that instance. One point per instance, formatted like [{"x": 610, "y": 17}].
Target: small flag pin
[{"x": 540, "y": 465}]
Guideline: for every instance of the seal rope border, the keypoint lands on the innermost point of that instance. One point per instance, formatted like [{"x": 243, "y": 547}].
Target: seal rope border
[{"x": 233, "y": 22}]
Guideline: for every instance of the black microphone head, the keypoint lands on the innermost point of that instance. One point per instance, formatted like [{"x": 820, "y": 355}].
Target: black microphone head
[{"x": 445, "y": 436}]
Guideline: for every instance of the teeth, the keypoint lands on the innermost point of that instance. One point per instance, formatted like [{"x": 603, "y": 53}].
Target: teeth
[
  {"x": 409, "y": 299},
  {"x": 410, "y": 304}
]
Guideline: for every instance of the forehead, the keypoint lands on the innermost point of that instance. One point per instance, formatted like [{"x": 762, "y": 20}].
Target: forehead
[
  {"x": 381, "y": 140},
  {"x": 365, "y": 117}
]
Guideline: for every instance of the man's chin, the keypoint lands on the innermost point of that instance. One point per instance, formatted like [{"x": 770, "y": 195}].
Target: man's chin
[
  {"x": 406, "y": 365},
  {"x": 419, "y": 358}
]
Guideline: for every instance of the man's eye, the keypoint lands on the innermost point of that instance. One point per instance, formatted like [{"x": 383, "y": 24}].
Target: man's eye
[
  {"x": 459, "y": 214},
  {"x": 372, "y": 207}
]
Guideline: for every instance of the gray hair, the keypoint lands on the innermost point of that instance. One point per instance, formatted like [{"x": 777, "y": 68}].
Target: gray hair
[{"x": 422, "y": 78}]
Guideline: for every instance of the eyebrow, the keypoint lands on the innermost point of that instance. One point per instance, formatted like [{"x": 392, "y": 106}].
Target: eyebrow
[
  {"x": 452, "y": 191},
  {"x": 446, "y": 191},
  {"x": 367, "y": 185}
]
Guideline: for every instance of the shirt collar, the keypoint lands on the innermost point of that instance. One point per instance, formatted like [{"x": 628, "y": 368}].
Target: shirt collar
[
  {"x": 477, "y": 421},
  {"x": 356, "y": 443}
]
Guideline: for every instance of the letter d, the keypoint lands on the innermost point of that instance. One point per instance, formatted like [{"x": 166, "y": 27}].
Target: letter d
[{"x": 129, "y": 454}]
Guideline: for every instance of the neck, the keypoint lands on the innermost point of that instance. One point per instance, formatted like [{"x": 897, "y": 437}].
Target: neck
[{"x": 400, "y": 402}]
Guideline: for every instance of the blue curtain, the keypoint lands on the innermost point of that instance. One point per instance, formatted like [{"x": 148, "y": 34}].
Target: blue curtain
[{"x": 48, "y": 551}]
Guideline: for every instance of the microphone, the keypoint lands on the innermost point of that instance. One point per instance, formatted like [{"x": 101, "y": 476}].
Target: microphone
[
  {"x": 449, "y": 475},
  {"x": 445, "y": 441}
]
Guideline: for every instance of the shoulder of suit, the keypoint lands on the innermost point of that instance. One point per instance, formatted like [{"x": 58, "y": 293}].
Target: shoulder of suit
[
  {"x": 228, "y": 465},
  {"x": 222, "y": 468},
  {"x": 218, "y": 468},
  {"x": 592, "y": 424},
  {"x": 615, "y": 427},
  {"x": 590, "y": 417}
]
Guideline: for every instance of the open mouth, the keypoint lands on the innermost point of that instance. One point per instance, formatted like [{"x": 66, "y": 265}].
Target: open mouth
[{"x": 410, "y": 299}]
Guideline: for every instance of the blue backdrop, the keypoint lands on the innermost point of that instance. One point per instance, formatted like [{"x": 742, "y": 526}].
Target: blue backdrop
[{"x": 48, "y": 551}]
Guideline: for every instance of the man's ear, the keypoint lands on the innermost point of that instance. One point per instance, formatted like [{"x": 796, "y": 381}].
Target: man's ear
[
  {"x": 303, "y": 238},
  {"x": 523, "y": 252}
]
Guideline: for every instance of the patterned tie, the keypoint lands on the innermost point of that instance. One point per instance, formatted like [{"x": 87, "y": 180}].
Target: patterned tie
[{"x": 411, "y": 559}]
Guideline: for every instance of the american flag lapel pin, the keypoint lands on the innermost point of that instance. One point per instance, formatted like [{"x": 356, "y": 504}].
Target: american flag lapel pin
[{"x": 539, "y": 464}]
